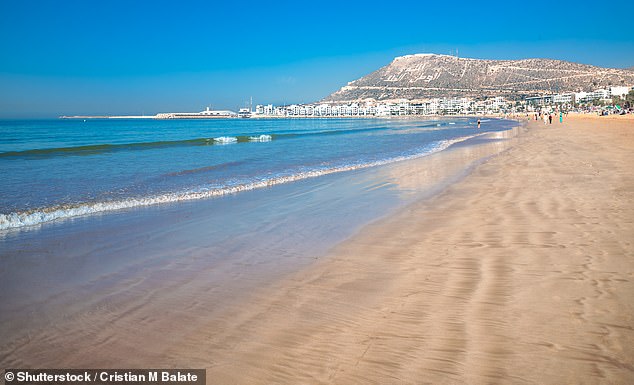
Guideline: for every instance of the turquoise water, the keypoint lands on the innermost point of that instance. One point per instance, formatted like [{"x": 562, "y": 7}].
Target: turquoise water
[{"x": 58, "y": 169}]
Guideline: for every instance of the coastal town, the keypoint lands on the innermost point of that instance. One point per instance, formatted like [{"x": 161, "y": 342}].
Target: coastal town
[{"x": 612, "y": 100}]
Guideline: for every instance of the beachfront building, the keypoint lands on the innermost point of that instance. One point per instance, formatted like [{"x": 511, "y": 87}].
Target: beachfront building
[
  {"x": 586, "y": 97},
  {"x": 323, "y": 110},
  {"x": 541, "y": 101},
  {"x": 267, "y": 110},
  {"x": 497, "y": 104},
  {"x": 448, "y": 106},
  {"x": 620, "y": 91},
  {"x": 280, "y": 111},
  {"x": 436, "y": 106},
  {"x": 383, "y": 110},
  {"x": 430, "y": 107},
  {"x": 573, "y": 98},
  {"x": 564, "y": 98},
  {"x": 293, "y": 110}
]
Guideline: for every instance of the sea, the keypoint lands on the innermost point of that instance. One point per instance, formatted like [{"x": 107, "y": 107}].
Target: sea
[
  {"x": 114, "y": 231},
  {"x": 58, "y": 169}
]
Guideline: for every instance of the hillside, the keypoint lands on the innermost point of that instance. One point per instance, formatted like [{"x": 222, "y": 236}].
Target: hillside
[{"x": 429, "y": 75}]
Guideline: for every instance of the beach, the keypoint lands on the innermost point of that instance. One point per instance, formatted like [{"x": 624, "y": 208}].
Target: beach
[
  {"x": 516, "y": 269},
  {"x": 98, "y": 285},
  {"x": 521, "y": 273}
]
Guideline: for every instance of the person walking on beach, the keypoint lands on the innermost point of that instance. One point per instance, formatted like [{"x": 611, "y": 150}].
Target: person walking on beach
[
  {"x": 478, "y": 123},
  {"x": 561, "y": 117},
  {"x": 545, "y": 118},
  {"x": 550, "y": 118}
]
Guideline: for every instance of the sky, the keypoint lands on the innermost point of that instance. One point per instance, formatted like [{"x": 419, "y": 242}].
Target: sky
[{"x": 143, "y": 57}]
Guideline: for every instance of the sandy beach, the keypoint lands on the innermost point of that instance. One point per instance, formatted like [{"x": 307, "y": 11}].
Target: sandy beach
[{"x": 522, "y": 273}]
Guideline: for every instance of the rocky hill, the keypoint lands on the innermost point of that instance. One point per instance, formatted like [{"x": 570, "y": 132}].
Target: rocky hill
[{"x": 429, "y": 75}]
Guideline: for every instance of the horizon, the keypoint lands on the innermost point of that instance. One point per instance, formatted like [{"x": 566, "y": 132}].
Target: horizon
[{"x": 145, "y": 58}]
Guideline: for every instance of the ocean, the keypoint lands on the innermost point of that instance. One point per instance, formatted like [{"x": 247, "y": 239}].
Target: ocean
[
  {"x": 118, "y": 230},
  {"x": 58, "y": 169}
]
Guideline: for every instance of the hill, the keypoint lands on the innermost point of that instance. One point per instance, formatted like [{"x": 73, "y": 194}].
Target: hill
[{"x": 429, "y": 75}]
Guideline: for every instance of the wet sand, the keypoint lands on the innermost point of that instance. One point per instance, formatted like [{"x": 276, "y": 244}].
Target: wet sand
[{"x": 522, "y": 273}]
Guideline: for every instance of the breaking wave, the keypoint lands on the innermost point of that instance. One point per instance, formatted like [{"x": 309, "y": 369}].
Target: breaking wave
[
  {"x": 95, "y": 149},
  {"x": 261, "y": 138},
  {"x": 226, "y": 140}
]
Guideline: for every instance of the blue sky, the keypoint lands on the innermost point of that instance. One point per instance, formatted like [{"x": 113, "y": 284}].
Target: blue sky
[{"x": 133, "y": 57}]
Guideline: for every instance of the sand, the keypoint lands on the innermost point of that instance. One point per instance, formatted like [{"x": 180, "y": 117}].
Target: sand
[{"x": 522, "y": 273}]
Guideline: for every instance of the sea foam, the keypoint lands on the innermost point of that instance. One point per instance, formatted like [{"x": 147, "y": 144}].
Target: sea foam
[
  {"x": 226, "y": 139},
  {"x": 261, "y": 138}
]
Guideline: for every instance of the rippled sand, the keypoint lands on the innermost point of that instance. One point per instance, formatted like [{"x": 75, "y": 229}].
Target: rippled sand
[{"x": 522, "y": 273}]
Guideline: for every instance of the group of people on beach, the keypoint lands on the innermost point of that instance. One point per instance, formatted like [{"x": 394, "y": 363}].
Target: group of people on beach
[{"x": 548, "y": 117}]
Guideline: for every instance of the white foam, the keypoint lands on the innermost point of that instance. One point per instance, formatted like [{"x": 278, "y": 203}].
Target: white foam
[
  {"x": 37, "y": 217},
  {"x": 261, "y": 138},
  {"x": 226, "y": 139}
]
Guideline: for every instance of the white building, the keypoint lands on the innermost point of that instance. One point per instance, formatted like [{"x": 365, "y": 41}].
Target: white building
[
  {"x": 619, "y": 91},
  {"x": 564, "y": 98},
  {"x": 209, "y": 112},
  {"x": 584, "y": 97}
]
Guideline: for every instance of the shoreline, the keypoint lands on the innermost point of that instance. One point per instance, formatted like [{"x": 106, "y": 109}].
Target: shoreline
[{"x": 161, "y": 266}]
